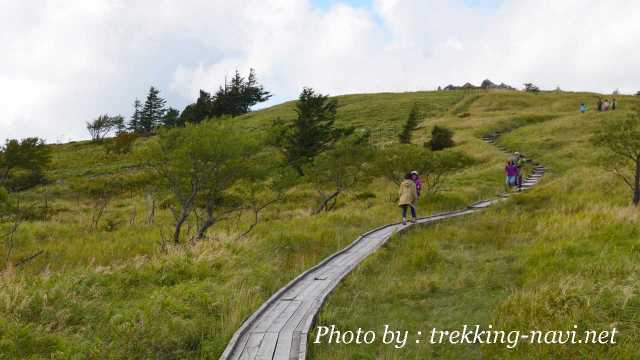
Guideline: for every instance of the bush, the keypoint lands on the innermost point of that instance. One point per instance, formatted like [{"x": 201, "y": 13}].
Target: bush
[
  {"x": 441, "y": 138},
  {"x": 121, "y": 144},
  {"x": 529, "y": 87},
  {"x": 22, "y": 163},
  {"x": 364, "y": 196}
]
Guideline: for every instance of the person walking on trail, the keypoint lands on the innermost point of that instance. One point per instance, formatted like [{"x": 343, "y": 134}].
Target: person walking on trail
[
  {"x": 583, "y": 108},
  {"x": 417, "y": 181},
  {"x": 511, "y": 171},
  {"x": 614, "y": 104},
  {"x": 519, "y": 162},
  {"x": 605, "y": 107},
  {"x": 408, "y": 198}
]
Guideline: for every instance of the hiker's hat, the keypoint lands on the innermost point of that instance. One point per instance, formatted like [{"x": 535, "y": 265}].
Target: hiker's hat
[
  {"x": 414, "y": 172},
  {"x": 516, "y": 153}
]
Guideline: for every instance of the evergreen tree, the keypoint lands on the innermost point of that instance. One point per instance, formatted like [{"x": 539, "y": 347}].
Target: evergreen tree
[
  {"x": 311, "y": 133},
  {"x": 240, "y": 95},
  {"x": 134, "y": 122},
  {"x": 234, "y": 98},
  {"x": 228, "y": 99},
  {"x": 22, "y": 163},
  {"x": 253, "y": 93},
  {"x": 172, "y": 118},
  {"x": 409, "y": 126},
  {"x": 441, "y": 138},
  {"x": 152, "y": 112},
  {"x": 198, "y": 111}
]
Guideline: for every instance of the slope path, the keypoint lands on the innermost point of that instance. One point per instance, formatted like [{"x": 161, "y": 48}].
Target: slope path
[{"x": 278, "y": 329}]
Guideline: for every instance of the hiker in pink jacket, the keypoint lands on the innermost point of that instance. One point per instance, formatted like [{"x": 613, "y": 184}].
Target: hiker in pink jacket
[
  {"x": 416, "y": 179},
  {"x": 511, "y": 170}
]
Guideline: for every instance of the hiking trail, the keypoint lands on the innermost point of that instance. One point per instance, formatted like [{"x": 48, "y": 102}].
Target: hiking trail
[{"x": 278, "y": 329}]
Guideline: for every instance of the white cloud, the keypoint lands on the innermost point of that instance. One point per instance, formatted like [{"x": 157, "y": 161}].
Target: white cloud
[{"x": 65, "y": 62}]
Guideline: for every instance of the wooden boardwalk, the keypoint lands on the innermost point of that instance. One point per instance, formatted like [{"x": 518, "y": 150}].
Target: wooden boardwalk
[{"x": 279, "y": 328}]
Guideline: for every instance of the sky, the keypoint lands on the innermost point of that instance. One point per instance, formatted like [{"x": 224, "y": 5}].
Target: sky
[{"x": 65, "y": 63}]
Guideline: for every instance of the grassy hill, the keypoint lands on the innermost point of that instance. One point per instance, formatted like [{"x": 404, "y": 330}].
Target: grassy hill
[{"x": 565, "y": 253}]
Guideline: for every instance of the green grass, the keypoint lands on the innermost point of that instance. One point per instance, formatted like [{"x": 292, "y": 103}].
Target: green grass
[
  {"x": 565, "y": 253},
  {"x": 114, "y": 293}
]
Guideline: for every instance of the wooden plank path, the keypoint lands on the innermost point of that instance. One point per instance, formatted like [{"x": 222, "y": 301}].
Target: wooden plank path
[{"x": 279, "y": 328}]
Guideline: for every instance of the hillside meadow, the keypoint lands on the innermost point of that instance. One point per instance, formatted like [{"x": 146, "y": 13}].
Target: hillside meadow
[{"x": 565, "y": 253}]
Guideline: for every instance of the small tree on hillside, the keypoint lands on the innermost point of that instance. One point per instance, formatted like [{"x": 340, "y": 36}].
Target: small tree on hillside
[
  {"x": 265, "y": 184},
  {"x": 441, "y": 138},
  {"x": 529, "y": 87},
  {"x": 198, "y": 111},
  {"x": 100, "y": 190},
  {"x": 104, "y": 125},
  {"x": 152, "y": 112},
  {"x": 22, "y": 163},
  {"x": 121, "y": 143},
  {"x": 341, "y": 168},
  {"x": 196, "y": 166},
  {"x": 409, "y": 126},
  {"x": 134, "y": 123},
  {"x": 11, "y": 217},
  {"x": 621, "y": 139},
  {"x": 311, "y": 133},
  {"x": 172, "y": 118}
]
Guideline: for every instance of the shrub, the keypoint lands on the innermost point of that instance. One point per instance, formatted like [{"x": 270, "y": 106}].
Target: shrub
[
  {"x": 529, "y": 87},
  {"x": 364, "y": 196},
  {"x": 22, "y": 163},
  {"x": 121, "y": 144},
  {"x": 441, "y": 138},
  {"x": 103, "y": 125}
]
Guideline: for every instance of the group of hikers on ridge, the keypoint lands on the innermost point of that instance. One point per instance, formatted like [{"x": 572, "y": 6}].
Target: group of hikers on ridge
[
  {"x": 514, "y": 171},
  {"x": 409, "y": 193},
  {"x": 605, "y": 105}
]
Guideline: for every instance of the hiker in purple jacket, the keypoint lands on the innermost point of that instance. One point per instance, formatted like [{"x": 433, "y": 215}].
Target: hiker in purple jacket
[
  {"x": 511, "y": 170},
  {"x": 416, "y": 179}
]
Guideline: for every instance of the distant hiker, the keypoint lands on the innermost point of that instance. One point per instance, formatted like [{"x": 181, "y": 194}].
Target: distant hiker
[
  {"x": 408, "y": 198},
  {"x": 518, "y": 160},
  {"x": 416, "y": 179},
  {"x": 614, "y": 104},
  {"x": 605, "y": 106},
  {"x": 511, "y": 170},
  {"x": 599, "y": 104},
  {"x": 583, "y": 108}
]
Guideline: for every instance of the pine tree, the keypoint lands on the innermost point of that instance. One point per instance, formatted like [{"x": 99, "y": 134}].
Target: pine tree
[
  {"x": 311, "y": 133},
  {"x": 253, "y": 93},
  {"x": 409, "y": 126},
  {"x": 198, "y": 111},
  {"x": 239, "y": 95},
  {"x": 152, "y": 112},
  {"x": 134, "y": 122},
  {"x": 172, "y": 118}
]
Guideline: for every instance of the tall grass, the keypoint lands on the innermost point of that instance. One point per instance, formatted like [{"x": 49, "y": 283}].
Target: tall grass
[
  {"x": 563, "y": 254},
  {"x": 115, "y": 293}
]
